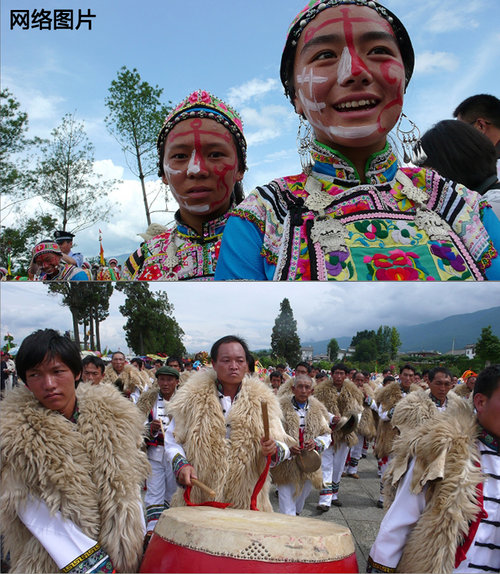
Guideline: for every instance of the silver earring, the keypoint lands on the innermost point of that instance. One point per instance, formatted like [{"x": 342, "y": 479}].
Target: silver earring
[
  {"x": 410, "y": 141},
  {"x": 304, "y": 143}
]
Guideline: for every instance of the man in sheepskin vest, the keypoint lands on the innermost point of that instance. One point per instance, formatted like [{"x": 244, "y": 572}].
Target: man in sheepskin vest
[
  {"x": 420, "y": 406},
  {"x": 72, "y": 467},
  {"x": 367, "y": 426},
  {"x": 216, "y": 433},
  {"x": 343, "y": 400},
  {"x": 307, "y": 421},
  {"x": 387, "y": 398},
  {"x": 161, "y": 483},
  {"x": 126, "y": 377},
  {"x": 444, "y": 484}
]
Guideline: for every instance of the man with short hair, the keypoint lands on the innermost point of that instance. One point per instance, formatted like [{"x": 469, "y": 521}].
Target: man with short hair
[
  {"x": 307, "y": 421},
  {"x": 93, "y": 369},
  {"x": 125, "y": 377},
  {"x": 65, "y": 241},
  {"x": 72, "y": 467},
  {"x": 420, "y": 406},
  {"x": 161, "y": 483},
  {"x": 47, "y": 264},
  {"x": 275, "y": 380},
  {"x": 444, "y": 484},
  {"x": 344, "y": 401},
  {"x": 483, "y": 112},
  {"x": 217, "y": 433},
  {"x": 387, "y": 398}
]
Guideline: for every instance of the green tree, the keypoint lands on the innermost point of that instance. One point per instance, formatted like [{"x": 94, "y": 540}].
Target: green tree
[
  {"x": 285, "y": 341},
  {"x": 395, "y": 343},
  {"x": 89, "y": 306},
  {"x": 135, "y": 117},
  {"x": 333, "y": 349},
  {"x": 17, "y": 242},
  {"x": 66, "y": 178},
  {"x": 9, "y": 343},
  {"x": 488, "y": 346},
  {"x": 151, "y": 326}
]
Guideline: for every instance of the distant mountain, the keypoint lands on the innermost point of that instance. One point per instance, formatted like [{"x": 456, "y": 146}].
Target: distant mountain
[{"x": 443, "y": 335}]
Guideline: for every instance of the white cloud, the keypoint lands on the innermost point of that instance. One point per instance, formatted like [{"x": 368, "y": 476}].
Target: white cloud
[
  {"x": 266, "y": 123},
  {"x": 433, "y": 62},
  {"x": 254, "y": 88}
]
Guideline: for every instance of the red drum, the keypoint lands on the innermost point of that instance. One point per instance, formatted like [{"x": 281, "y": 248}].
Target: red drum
[{"x": 205, "y": 539}]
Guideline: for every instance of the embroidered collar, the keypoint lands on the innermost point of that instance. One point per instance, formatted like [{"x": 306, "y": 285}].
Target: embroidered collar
[
  {"x": 220, "y": 390},
  {"x": 298, "y": 406},
  {"x": 209, "y": 230},
  {"x": 381, "y": 167},
  {"x": 437, "y": 402},
  {"x": 488, "y": 439}
]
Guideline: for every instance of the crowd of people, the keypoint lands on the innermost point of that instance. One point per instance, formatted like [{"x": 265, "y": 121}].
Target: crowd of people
[
  {"x": 357, "y": 211},
  {"x": 81, "y": 440}
]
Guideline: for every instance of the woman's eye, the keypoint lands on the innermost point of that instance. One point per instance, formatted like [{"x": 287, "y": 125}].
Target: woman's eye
[
  {"x": 325, "y": 55},
  {"x": 381, "y": 50},
  {"x": 178, "y": 156}
]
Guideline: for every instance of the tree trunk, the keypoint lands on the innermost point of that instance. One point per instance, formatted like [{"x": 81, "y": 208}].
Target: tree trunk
[
  {"x": 76, "y": 334},
  {"x": 143, "y": 185},
  {"x": 91, "y": 321},
  {"x": 97, "y": 332}
]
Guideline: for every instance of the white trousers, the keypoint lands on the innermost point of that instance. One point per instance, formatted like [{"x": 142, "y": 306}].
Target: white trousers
[
  {"x": 288, "y": 503},
  {"x": 332, "y": 466},
  {"x": 355, "y": 452},
  {"x": 161, "y": 485}
]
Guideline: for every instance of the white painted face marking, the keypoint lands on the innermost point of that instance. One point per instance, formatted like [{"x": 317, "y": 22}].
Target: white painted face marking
[
  {"x": 193, "y": 165},
  {"x": 169, "y": 170},
  {"x": 308, "y": 78},
  {"x": 345, "y": 66},
  {"x": 352, "y": 132},
  {"x": 310, "y": 105}
]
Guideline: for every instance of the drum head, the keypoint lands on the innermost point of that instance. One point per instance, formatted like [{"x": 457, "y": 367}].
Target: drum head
[{"x": 308, "y": 460}]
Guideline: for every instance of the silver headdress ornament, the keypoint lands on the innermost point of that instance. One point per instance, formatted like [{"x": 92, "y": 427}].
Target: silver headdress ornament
[{"x": 410, "y": 141}]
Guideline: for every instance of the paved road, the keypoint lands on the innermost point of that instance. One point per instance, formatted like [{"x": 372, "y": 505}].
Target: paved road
[{"x": 359, "y": 511}]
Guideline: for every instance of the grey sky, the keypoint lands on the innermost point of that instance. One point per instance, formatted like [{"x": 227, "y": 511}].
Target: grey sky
[{"x": 208, "y": 311}]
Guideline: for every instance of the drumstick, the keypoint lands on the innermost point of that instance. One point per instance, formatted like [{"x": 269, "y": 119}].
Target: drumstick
[
  {"x": 194, "y": 481},
  {"x": 265, "y": 419}
]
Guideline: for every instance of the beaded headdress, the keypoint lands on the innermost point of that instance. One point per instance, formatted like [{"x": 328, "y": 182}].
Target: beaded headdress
[
  {"x": 46, "y": 247},
  {"x": 202, "y": 104},
  {"x": 313, "y": 8}
]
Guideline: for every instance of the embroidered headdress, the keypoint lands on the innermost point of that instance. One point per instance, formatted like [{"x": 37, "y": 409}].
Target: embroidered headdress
[
  {"x": 46, "y": 247},
  {"x": 202, "y": 104},
  {"x": 313, "y": 8}
]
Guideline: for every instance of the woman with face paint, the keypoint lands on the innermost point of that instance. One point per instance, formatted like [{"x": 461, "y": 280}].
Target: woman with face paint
[
  {"x": 354, "y": 213},
  {"x": 202, "y": 158}
]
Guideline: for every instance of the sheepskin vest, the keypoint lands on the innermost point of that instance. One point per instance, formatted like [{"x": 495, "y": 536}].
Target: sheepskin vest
[
  {"x": 230, "y": 466},
  {"x": 147, "y": 400},
  {"x": 130, "y": 378},
  {"x": 317, "y": 424},
  {"x": 417, "y": 408},
  {"x": 367, "y": 426},
  {"x": 347, "y": 402},
  {"x": 91, "y": 471},
  {"x": 448, "y": 462},
  {"x": 388, "y": 397},
  {"x": 461, "y": 391}
]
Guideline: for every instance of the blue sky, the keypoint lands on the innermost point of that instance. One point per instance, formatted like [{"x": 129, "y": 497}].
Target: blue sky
[{"x": 233, "y": 49}]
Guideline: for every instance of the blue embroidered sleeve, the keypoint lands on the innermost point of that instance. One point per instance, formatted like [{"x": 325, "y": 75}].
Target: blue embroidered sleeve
[
  {"x": 240, "y": 256},
  {"x": 492, "y": 225},
  {"x": 80, "y": 276}
]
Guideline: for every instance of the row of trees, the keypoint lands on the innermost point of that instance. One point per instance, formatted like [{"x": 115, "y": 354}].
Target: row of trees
[
  {"x": 372, "y": 349},
  {"x": 61, "y": 171}
]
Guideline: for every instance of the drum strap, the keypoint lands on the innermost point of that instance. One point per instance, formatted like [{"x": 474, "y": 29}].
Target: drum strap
[
  {"x": 260, "y": 484},
  {"x": 187, "y": 500}
]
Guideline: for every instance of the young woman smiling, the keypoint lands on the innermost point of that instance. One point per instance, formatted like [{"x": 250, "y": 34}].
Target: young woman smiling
[{"x": 354, "y": 213}]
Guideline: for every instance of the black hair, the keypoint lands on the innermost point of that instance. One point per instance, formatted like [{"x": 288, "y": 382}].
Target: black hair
[
  {"x": 480, "y": 105},
  {"x": 46, "y": 344},
  {"x": 487, "y": 381},
  {"x": 275, "y": 374},
  {"x": 139, "y": 362},
  {"x": 433, "y": 372},
  {"x": 407, "y": 366},
  {"x": 304, "y": 364},
  {"x": 96, "y": 361},
  {"x": 460, "y": 152},
  {"x": 387, "y": 379},
  {"x": 214, "y": 351},
  {"x": 340, "y": 367},
  {"x": 173, "y": 359},
  {"x": 281, "y": 366},
  {"x": 156, "y": 361},
  {"x": 118, "y": 353}
]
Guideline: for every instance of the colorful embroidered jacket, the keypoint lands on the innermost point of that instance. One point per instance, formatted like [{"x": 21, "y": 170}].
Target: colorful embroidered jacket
[
  {"x": 179, "y": 253},
  {"x": 403, "y": 224}
]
